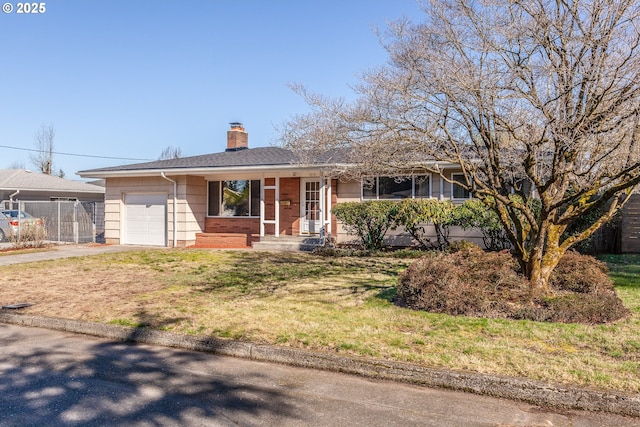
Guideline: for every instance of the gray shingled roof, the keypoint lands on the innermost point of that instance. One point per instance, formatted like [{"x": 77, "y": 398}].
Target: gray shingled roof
[
  {"x": 259, "y": 156},
  {"x": 19, "y": 179}
]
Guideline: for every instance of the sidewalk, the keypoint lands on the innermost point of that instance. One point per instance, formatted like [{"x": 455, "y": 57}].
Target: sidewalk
[{"x": 64, "y": 251}]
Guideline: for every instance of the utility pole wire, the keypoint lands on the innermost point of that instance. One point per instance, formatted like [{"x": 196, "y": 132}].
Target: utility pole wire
[{"x": 74, "y": 154}]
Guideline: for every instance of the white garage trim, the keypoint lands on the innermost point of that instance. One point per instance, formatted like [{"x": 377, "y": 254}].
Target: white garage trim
[{"x": 145, "y": 219}]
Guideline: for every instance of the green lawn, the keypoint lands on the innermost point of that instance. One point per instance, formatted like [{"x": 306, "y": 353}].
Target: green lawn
[{"x": 342, "y": 305}]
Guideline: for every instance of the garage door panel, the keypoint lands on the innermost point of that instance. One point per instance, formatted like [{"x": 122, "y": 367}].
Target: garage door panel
[{"x": 145, "y": 219}]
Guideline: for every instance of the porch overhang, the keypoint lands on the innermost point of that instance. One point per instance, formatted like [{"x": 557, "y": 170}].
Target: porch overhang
[{"x": 273, "y": 170}]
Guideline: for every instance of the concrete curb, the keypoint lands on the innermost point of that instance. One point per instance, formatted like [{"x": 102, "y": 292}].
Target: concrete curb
[{"x": 535, "y": 392}]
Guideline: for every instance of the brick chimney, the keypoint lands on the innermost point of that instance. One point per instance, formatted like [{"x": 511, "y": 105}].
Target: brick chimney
[{"x": 237, "y": 137}]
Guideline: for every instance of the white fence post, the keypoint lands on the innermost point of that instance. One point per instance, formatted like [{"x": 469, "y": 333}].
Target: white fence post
[
  {"x": 59, "y": 221},
  {"x": 75, "y": 222}
]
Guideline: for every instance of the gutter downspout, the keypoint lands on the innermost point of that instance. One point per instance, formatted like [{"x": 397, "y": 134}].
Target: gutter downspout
[
  {"x": 175, "y": 206},
  {"x": 12, "y": 195}
]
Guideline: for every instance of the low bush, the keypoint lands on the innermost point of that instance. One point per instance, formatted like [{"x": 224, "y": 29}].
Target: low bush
[
  {"x": 474, "y": 214},
  {"x": 29, "y": 237},
  {"x": 589, "y": 308},
  {"x": 472, "y": 282},
  {"x": 581, "y": 274},
  {"x": 467, "y": 282},
  {"x": 368, "y": 220},
  {"x": 337, "y": 252},
  {"x": 460, "y": 245},
  {"x": 415, "y": 214},
  {"x": 334, "y": 252}
]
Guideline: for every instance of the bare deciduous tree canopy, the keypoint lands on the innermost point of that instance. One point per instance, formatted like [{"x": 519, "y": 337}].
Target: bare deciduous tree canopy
[
  {"x": 42, "y": 159},
  {"x": 170, "y": 152},
  {"x": 17, "y": 164},
  {"x": 541, "y": 91}
]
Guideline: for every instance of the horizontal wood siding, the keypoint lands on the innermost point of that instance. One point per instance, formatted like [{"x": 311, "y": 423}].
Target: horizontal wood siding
[{"x": 630, "y": 226}]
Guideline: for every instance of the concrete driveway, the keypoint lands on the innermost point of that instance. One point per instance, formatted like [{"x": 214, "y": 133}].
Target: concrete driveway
[{"x": 65, "y": 251}]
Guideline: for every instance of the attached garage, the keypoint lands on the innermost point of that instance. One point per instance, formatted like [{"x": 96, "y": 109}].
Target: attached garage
[{"x": 145, "y": 219}]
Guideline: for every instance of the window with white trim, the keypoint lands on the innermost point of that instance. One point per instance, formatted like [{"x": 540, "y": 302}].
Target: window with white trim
[
  {"x": 234, "y": 198},
  {"x": 392, "y": 188},
  {"x": 457, "y": 190}
]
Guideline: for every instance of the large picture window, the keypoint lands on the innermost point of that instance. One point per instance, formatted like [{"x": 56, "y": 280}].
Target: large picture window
[
  {"x": 234, "y": 198},
  {"x": 390, "y": 188}
]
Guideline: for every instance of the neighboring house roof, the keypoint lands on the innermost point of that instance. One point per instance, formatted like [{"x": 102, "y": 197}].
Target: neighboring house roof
[
  {"x": 19, "y": 179},
  {"x": 246, "y": 158}
]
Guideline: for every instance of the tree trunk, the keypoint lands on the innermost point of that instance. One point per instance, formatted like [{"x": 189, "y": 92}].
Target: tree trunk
[
  {"x": 543, "y": 258},
  {"x": 539, "y": 273}
]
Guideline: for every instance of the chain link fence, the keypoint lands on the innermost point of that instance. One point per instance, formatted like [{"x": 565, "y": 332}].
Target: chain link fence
[{"x": 66, "y": 221}]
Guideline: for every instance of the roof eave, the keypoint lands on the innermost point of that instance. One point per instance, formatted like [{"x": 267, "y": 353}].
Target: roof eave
[
  {"x": 205, "y": 171},
  {"x": 70, "y": 191}
]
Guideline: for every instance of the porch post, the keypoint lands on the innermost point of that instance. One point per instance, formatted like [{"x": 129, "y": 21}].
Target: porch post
[
  {"x": 276, "y": 220},
  {"x": 323, "y": 208},
  {"x": 277, "y": 206},
  {"x": 262, "y": 206},
  {"x": 328, "y": 218}
]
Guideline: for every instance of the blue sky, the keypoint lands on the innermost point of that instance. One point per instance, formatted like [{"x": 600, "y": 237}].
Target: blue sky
[{"x": 126, "y": 79}]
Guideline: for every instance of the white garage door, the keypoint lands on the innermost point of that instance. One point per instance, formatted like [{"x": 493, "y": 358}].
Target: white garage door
[{"x": 145, "y": 219}]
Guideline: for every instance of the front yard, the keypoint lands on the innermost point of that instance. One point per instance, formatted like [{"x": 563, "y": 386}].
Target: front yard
[{"x": 341, "y": 305}]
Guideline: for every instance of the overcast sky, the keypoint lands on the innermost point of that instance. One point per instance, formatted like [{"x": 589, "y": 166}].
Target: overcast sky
[{"x": 126, "y": 79}]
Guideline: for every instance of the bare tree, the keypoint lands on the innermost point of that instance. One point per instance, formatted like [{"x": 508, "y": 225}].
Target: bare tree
[
  {"x": 17, "y": 164},
  {"x": 42, "y": 159},
  {"x": 170, "y": 152},
  {"x": 545, "y": 92}
]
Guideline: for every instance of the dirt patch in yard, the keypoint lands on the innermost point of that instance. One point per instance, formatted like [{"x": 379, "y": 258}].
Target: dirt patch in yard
[{"x": 64, "y": 291}]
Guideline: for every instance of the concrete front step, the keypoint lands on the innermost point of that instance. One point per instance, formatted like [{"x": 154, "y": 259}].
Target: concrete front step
[
  {"x": 266, "y": 243},
  {"x": 287, "y": 243}
]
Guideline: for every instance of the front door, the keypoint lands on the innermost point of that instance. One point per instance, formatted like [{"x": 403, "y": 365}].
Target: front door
[{"x": 311, "y": 214}]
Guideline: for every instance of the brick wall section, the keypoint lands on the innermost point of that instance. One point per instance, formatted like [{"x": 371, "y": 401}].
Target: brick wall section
[
  {"x": 269, "y": 205},
  {"x": 237, "y": 225},
  {"x": 290, "y": 214},
  {"x": 225, "y": 240},
  {"x": 334, "y": 201},
  {"x": 237, "y": 138},
  {"x": 229, "y": 233}
]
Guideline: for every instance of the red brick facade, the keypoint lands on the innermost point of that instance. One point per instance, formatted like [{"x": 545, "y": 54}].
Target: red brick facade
[
  {"x": 234, "y": 232},
  {"x": 290, "y": 206},
  {"x": 238, "y": 225},
  {"x": 229, "y": 232}
]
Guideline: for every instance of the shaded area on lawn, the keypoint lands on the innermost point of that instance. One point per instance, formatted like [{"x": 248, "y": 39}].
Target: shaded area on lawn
[{"x": 263, "y": 273}]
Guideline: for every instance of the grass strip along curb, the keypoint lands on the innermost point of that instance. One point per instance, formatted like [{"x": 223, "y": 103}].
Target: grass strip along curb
[{"x": 534, "y": 392}]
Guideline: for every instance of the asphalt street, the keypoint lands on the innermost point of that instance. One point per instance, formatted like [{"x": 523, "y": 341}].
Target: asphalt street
[{"x": 57, "y": 378}]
